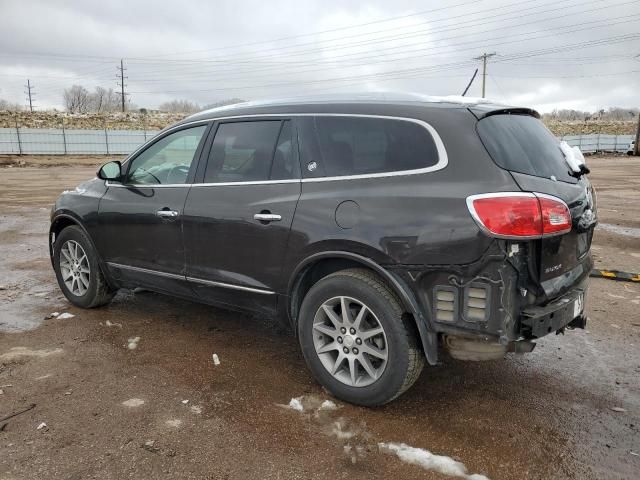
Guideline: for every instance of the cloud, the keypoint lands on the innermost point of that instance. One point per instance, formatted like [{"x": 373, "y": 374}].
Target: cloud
[{"x": 208, "y": 51}]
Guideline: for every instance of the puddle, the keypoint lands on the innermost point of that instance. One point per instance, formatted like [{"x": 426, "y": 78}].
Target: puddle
[{"x": 626, "y": 231}]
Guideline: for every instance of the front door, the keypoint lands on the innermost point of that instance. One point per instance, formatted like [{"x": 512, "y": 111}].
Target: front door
[
  {"x": 238, "y": 218},
  {"x": 140, "y": 219}
]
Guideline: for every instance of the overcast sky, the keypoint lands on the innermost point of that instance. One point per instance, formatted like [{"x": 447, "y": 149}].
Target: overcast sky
[{"x": 581, "y": 54}]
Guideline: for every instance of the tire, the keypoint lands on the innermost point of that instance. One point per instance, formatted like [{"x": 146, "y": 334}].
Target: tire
[
  {"x": 90, "y": 288},
  {"x": 321, "y": 338}
]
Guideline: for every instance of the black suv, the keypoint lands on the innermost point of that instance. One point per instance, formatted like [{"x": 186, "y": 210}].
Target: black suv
[{"x": 379, "y": 228}]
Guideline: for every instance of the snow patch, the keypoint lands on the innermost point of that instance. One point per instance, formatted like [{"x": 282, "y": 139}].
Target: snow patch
[
  {"x": 296, "y": 404},
  {"x": 573, "y": 158},
  {"x": 328, "y": 405},
  {"x": 429, "y": 461},
  {"x": 216, "y": 360},
  {"x": 110, "y": 324},
  {"x": 133, "y": 343},
  {"x": 133, "y": 402},
  {"x": 65, "y": 316}
]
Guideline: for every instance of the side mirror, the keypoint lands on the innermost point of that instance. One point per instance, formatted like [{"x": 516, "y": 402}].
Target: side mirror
[{"x": 110, "y": 171}]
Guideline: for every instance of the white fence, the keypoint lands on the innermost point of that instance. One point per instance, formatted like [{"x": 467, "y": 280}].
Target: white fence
[
  {"x": 598, "y": 142},
  {"x": 59, "y": 141}
]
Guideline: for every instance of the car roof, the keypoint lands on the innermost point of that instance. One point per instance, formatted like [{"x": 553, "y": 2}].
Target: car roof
[{"x": 342, "y": 102}]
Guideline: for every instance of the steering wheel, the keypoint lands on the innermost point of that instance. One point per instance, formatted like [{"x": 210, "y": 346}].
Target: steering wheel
[
  {"x": 180, "y": 172},
  {"x": 147, "y": 172}
]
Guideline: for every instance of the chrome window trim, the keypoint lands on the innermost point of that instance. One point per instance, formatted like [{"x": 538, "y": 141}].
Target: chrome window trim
[
  {"x": 190, "y": 279},
  {"x": 253, "y": 182},
  {"x": 443, "y": 159},
  {"x": 138, "y": 185},
  {"x": 229, "y": 285}
]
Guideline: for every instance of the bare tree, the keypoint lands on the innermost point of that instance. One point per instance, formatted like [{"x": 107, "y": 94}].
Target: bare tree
[
  {"x": 77, "y": 99},
  {"x": 179, "y": 106},
  {"x": 11, "y": 107},
  {"x": 103, "y": 100}
]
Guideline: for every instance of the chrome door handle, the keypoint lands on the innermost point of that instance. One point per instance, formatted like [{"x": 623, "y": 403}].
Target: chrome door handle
[
  {"x": 167, "y": 213},
  {"x": 267, "y": 217}
]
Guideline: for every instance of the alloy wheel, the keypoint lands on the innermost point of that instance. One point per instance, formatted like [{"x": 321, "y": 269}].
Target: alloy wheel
[
  {"x": 74, "y": 268},
  {"x": 350, "y": 341}
]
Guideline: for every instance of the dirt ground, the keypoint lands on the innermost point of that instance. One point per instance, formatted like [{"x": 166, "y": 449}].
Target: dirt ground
[{"x": 570, "y": 409}]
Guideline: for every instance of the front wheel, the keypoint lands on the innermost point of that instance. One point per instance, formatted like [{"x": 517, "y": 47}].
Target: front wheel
[
  {"x": 356, "y": 340},
  {"x": 77, "y": 270}
]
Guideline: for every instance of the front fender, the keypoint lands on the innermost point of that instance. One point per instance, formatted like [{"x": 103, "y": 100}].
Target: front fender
[{"x": 64, "y": 218}]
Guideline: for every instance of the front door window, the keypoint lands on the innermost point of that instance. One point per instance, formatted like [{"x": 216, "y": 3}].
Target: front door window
[{"x": 167, "y": 161}]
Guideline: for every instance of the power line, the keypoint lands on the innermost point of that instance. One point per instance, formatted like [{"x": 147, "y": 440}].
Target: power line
[
  {"x": 455, "y": 27},
  {"x": 350, "y": 27},
  {"x": 367, "y": 59},
  {"x": 440, "y": 49},
  {"x": 407, "y": 73}
]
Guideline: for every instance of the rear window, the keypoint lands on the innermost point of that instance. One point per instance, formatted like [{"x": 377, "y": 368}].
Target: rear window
[
  {"x": 338, "y": 146},
  {"x": 521, "y": 143}
]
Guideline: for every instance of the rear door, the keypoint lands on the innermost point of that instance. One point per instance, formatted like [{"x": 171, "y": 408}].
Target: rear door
[
  {"x": 238, "y": 216},
  {"x": 524, "y": 146},
  {"x": 140, "y": 219}
]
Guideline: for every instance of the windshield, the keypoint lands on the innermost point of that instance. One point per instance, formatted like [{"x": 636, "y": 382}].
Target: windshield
[{"x": 521, "y": 143}]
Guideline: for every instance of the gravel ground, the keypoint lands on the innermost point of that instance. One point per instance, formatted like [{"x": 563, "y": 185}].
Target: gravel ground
[{"x": 570, "y": 409}]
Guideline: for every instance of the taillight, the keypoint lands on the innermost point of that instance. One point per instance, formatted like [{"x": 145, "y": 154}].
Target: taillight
[{"x": 520, "y": 215}]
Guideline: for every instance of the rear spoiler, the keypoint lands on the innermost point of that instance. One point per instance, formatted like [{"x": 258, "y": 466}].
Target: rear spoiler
[{"x": 482, "y": 111}]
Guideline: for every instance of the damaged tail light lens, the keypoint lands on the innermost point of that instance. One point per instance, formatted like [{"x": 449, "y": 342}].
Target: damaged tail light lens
[{"x": 520, "y": 215}]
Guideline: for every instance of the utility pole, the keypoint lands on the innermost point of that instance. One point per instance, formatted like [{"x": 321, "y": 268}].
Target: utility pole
[
  {"x": 470, "y": 82},
  {"x": 121, "y": 83},
  {"x": 29, "y": 94},
  {"x": 484, "y": 57},
  {"x": 636, "y": 148}
]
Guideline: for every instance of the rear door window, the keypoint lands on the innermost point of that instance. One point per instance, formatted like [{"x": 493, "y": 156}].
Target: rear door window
[
  {"x": 521, "y": 143},
  {"x": 245, "y": 152},
  {"x": 343, "y": 145}
]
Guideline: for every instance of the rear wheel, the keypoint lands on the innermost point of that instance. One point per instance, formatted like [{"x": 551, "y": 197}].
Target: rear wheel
[
  {"x": 356, "y": 340},
  {"x": 77, "y": 270}
]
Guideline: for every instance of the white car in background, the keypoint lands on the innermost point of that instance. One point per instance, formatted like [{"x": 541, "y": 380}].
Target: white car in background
[{"x": 630, "y": 149}]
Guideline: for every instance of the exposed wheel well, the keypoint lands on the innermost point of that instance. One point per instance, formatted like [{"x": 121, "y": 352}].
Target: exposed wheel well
[
  {"x": 317, "y": 270},
  {"x": 310, "y": 275},
  {"x": 60, "y": 224}
]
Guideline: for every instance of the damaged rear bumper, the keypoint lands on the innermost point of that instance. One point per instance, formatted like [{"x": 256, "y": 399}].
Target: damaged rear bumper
[{"x": 566, "y": 311}]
